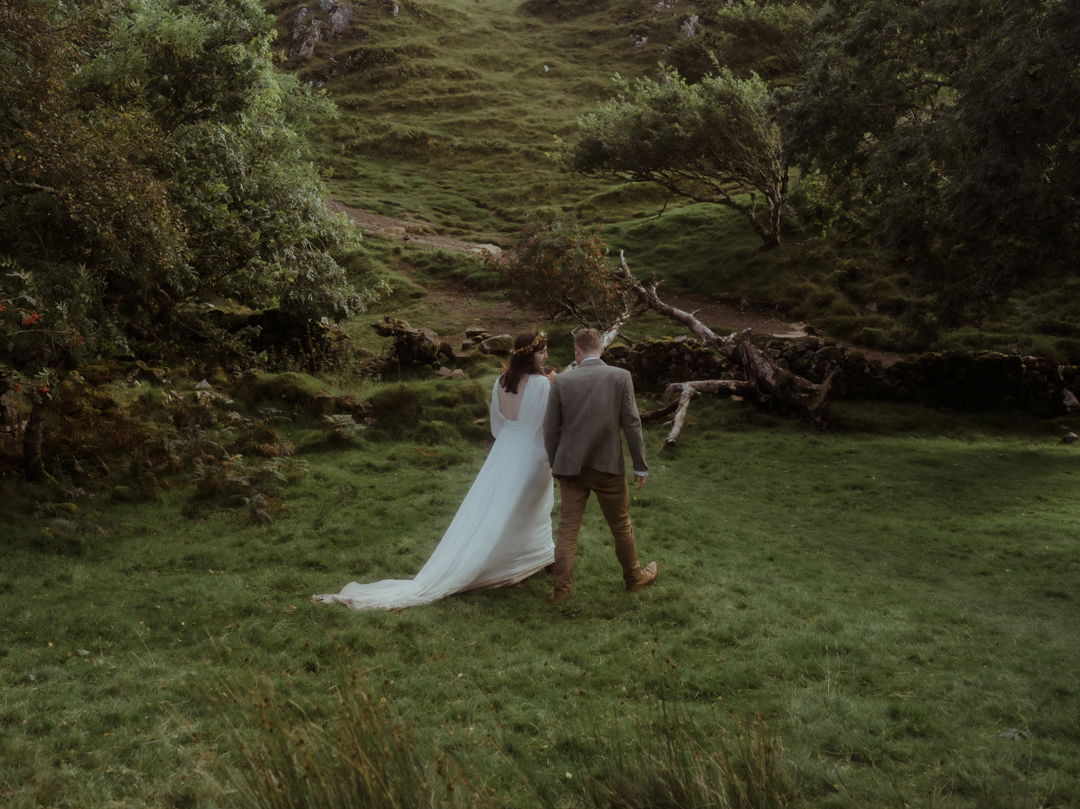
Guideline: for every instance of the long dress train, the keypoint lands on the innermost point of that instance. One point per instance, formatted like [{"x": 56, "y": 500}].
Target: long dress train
[{"x": 500, "y": 535}]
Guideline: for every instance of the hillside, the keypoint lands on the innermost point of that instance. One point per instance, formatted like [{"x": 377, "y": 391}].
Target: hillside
[
  {"x": 449, "y": 113},
  {"x": 449, "y": 110}
]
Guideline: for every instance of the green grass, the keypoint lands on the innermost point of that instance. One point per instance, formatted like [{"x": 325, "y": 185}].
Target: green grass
[
  {"x": 889, "y": 597},
  {"x": 889, "y": 600}
]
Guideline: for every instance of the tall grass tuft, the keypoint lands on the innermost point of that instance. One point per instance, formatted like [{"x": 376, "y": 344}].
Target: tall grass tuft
[
  {"x": 361, "y": 755},
  {"x": 676, "y": 770},
  {"x": 668, "y": 760}
]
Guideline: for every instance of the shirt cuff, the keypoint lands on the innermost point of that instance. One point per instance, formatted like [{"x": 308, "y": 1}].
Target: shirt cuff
[{"x": 640, "y": 474}]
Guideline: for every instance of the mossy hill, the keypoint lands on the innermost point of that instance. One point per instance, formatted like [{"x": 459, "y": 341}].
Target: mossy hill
[{"x": 449, "y": 112}]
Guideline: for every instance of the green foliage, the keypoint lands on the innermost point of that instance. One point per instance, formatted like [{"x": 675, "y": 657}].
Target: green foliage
[
  {"x": 952, "y": 122},
  {"x": 153, "y": 157},
  {"x": 253, "y": 206},
  {"x": 767, "y": 38},
  {"x": 562, "y": 271},
  {"x": 715, "y": 141}
]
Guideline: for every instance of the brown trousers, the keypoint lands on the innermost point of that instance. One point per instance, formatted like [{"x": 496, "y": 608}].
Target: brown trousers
[{"x": 613, "y": 495}]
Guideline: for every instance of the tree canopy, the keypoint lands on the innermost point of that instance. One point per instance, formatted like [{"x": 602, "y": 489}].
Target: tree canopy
[
  {"x": 157, "y": 146},
  {"x": 715, "y": 141},
  {"x": 152, "y": 156},
  {"x": 562, "y": 271},
  {"x": 955, "y": 123}
]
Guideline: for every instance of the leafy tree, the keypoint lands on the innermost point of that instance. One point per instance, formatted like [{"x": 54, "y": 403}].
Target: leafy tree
[
  {"x": 253, "y": 204},
  {"x": 562, "y": 271},
  {"x": 955, "y": 122},
  {"x": 715, "y": 141},
  {"x": 151, "y": 154},
  {"x": 78, "y": 209}
]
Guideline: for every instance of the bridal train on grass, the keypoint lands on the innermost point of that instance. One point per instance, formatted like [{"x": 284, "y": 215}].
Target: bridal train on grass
[{"x": 501, "y": 534}]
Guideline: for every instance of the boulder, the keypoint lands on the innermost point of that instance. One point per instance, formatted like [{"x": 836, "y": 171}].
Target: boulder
[{"x": 500, "y": 344}]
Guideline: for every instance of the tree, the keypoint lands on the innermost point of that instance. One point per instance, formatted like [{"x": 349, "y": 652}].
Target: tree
[
  {"x": 560, "y": 271},
  {"x": 151, "y": 155},
  {"x": 253, "y": 204},
  {"x": 715, "y": 141},
  {"x": 955, "y": 123},
  {"x": 78, "y": 208}
]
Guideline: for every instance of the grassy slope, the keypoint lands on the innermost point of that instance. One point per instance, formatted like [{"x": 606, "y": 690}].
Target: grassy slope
[
  {"x": 890, "y": 604},
  {"x": 448, "y": 114}
]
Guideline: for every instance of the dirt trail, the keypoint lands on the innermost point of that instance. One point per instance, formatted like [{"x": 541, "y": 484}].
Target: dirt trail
[{"x": 712, "y": 311}]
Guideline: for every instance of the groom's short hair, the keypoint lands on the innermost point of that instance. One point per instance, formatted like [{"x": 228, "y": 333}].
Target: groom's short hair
[{"x": 588, "y": 340}]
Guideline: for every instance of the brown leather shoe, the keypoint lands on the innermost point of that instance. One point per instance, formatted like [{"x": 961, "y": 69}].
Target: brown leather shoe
[
  {"x": 558, "y": 598},
  {"x": 647, "y": 577}
]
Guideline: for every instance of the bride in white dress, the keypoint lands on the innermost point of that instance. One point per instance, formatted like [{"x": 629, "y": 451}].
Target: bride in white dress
[{"x": 501, "y": 534}]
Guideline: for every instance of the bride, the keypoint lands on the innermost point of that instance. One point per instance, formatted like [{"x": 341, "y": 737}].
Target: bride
[{"x": 501, "y": 534}]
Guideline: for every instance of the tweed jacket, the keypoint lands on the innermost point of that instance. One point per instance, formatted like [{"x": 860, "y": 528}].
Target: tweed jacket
[{"x": 587, "y": 406}]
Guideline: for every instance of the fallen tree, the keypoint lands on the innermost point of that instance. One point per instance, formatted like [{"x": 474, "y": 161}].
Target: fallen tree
[
  {"x": 763, "y": 381},
  {"x": 564, "y": 274}
]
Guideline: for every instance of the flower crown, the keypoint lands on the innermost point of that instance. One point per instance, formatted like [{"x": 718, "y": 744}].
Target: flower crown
[{"x": 533, "y": 347}]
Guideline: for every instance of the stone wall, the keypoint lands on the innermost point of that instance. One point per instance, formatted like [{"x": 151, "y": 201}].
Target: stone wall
[{"x": 956, "y": 380}]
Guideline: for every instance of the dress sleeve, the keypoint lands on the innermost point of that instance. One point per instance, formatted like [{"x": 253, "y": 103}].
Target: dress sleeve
[
  {"x": 543, "y": 388},
  {"x": 497, "y": 418}
]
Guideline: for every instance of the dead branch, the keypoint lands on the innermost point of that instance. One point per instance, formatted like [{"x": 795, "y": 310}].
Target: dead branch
[
  {"x": 765, "y": 381},
  {"x": 691, "y": 390}
]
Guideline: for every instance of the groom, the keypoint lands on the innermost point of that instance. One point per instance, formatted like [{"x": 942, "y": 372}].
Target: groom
[{"x": 586, "y": 408}]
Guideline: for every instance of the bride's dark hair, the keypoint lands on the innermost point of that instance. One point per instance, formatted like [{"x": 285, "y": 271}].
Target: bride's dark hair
[{"x": 521, "y": 359}]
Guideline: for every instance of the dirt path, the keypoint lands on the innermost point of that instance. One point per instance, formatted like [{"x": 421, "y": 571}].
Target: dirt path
[{"x": 457, "y": 297}]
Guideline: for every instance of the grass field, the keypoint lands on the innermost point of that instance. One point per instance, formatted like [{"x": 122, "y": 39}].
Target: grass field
[
  {"x": 886, "y": 613},
  {"x": 890, "y": 598}
]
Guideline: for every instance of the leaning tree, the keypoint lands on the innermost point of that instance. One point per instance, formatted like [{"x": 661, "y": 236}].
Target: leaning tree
[
  {"x": 715, "y": 141},
  {"x": 565, "y": 273}
]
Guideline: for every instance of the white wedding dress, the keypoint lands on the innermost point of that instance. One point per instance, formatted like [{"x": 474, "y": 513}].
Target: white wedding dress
[{"x": 500, "y": 535}]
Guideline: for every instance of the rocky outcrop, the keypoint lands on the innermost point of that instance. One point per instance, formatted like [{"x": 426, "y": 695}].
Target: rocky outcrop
[
  {"x": 309, "y": 26},
  {"x": 326, "y": 22}
]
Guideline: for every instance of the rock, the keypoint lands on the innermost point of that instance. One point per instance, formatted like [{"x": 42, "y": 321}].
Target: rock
[
  {"x": 486, "y": 250},
  {"x": 502, "y": 344},
  {"x": 308, "y": 28},
  {"x": 412, "y": 345},
  {"x": 1069, "y": 438},
  {"x": 457, "y": 373}
]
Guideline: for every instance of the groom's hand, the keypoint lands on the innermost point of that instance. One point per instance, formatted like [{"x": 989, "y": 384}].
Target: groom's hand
[{"x": 639, "y": 481}]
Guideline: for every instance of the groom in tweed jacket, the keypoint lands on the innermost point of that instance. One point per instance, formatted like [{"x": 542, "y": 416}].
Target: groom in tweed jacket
[{"x": 586, "y": 408}]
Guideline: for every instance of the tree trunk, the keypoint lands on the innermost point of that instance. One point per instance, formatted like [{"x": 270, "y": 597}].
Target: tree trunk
[
  {"x": 771, "y": 385},
  {"x": 33, "y": 467}
]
